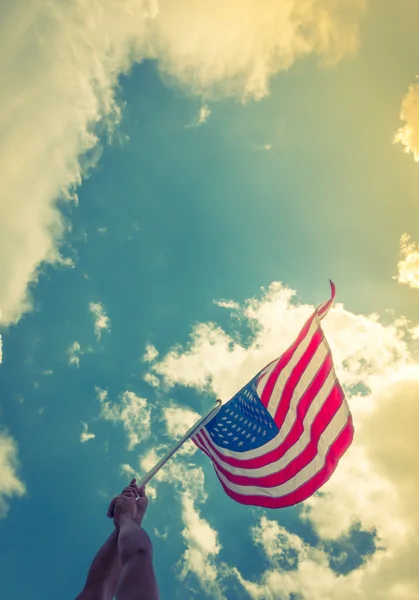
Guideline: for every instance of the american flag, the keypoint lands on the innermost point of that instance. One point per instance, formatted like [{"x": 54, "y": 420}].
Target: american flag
[{"x": 279, "y": 439}]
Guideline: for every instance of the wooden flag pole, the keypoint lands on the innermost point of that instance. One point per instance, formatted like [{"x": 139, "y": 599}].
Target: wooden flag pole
[{"x": 176, "y": 447}]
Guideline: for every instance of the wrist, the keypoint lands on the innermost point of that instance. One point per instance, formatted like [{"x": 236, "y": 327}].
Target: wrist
[{"x": 125, "y": 518}]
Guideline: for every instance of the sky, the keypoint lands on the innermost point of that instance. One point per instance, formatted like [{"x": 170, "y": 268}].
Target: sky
[{"x": 178, "y": 182}]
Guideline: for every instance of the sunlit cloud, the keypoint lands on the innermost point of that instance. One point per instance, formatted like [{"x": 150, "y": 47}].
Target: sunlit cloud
[
  {"x": 229, "y": 304},
  {"x": 152, "y": 380},
  {"x": 102, "y": 321},
  {"x": 178, "y": 420},
  {"x": 73, "y": 354},
  {"x": 101, "y": 394},
  {"x": 408, "y": 134},
  {"x": 10, "y": 484},
  {"x": 85, "y": 436},
  {"x": 132, "y": 411},
  {"x": 204, "y": 114},
  {"x": 408, "y": 267},
  {"x": 59, "y": 100},
  {"x": 202, "y": 117},
  {"x": 150, "y": 353}
]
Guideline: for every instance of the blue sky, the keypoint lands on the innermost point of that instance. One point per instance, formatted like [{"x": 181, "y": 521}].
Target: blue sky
[{"x": 159, "y": 223}]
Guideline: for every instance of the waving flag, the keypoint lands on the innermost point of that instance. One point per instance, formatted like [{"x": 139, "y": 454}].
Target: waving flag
[{"x": 280, "y": 438}]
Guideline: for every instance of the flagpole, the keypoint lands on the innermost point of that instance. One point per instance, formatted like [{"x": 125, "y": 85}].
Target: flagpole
[{"x": 176, "y": 447}]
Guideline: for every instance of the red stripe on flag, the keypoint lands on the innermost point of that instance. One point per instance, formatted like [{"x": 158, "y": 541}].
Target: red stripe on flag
[
  {"x": 335, "y": 453},
  {"x": 283, "y": 361},
  {"x": 199, "y": 444},
  {"x": 323, "y": 309},
  {"x": 294, "y": 378}
]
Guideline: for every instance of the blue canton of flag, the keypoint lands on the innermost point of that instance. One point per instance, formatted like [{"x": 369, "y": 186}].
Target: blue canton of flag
[{"x": 243, "y": 423}]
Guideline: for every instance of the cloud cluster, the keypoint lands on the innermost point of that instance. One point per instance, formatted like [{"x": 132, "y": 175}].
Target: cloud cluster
[
  {"x": 150, "y": 353},
  {"x": 178, "y": 420},
  {"x": 219, "y": 48},
  {"x": 376, "y": 482},
  {"x": 408, "y": 134},
  {"x": 202, "y": 117},
  {"x": 85, "y": 436},
  {"x": 102, "y": 321},
  {"x": 60, "y": 65},
  {"x": 10, "y": 484},
  {"x": 408, "y": 267},
  {"x": 132, "y": 411},
  {"x": 73, "y": 354}
]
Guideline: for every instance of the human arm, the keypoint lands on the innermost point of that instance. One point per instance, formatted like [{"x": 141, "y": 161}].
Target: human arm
[
  {"x": 104, "y": 572},
  {"x": 105, "y": 569},
  {"x": 137, "y": 580}
]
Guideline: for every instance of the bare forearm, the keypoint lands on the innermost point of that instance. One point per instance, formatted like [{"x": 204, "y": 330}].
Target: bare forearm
[
  {"x": 105, "y": 568},
  {"x": 137, "y": 578},
  {"x": 132, "y": 538}
]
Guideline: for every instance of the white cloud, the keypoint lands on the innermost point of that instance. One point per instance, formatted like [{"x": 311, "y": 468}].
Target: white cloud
[
  {"x": 295, "y": 568},
  {"x": 408, "y": 267},
  {"x": 73, "y": 354},
  {"x": 60, "y": 68},
  {"x": 10, "y": 484},
  {"x": 101, "y": 394},
  {"x": 178, "y": 420},
  {"x": 220, "y": 50},
  {"x": 152, "y": 380},
  {"x": 85, "y": 435},
  {"x": 204, "y": 114},
  {"x": 376, "y": 481},
  {"x": 408, "y": 134},
  {"x": 202, "y": 547},
  {"x": 65, "y": 261},
  {"x": 162, "y": 536},
  {"x": 102, "y": 321},
  {"x": 229, "y": 304},
  {"x": 132, "y": 411},
  {"x": 202, "y": 117},
  {"x": 150, "y": 353}
]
